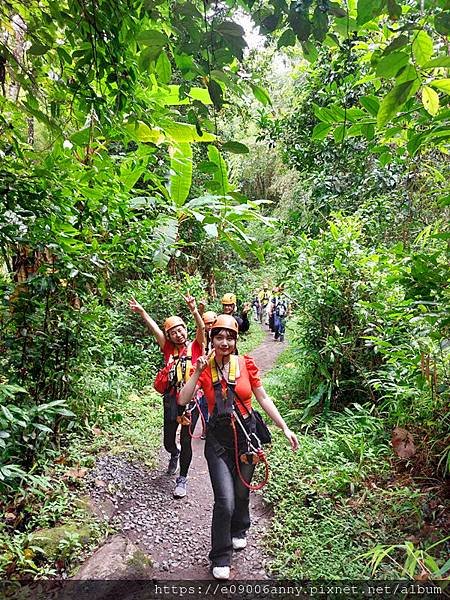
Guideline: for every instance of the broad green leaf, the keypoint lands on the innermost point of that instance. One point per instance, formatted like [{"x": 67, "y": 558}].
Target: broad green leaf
[
  {"x": 82, "y": 137},
  {"x": 172, "y": 98},
  {"x": 371, "y": 104},
  {"x": 422, "y": 47},
  {"x": 180, "y": 178},
  {"x": 220, "y": 177},
  {"x": 442, "y": 84},
  {"x": 319, "y": 24},
  {"x": 233, "y": 34},
  {"x": 442, "y": 23},
  {"x": 287, "y": 38},
  {"x": 398, "y": 42},
  {"x": 320, "y": 131},
  {"x": 269, "y": 23},
  {"x": 186, "y": 133},
  {"x": 164, "y": 68},
  {"x": 393, "y": 101},
  {"x": 439, "y": 61},
  {"x": 340, "y": 133},
  {"x": 309, "y": 51},
  {"x": 215, "y": 93},
  {"x": 391, "y": 64},
  {"x": 147, "y": 56},
  {"x": 430, "y": 100},
  {"x": 143, "y": 133},
  {"x": 300, "y": 24},
  {"x": 336, "y": 10},
  {"x": 129, "y": 176},
  {"x": 235, "y": 147},
  {"x": 207, "y": 167},
  {"x": 229, "y": 28},
  {"x": 38, "y": 48},
  {"x": 394, "y": 9},
  {"x": 260, "y": 94},
  {"x": 153, "y": 38},
  {"x": 368, "y": 10}
]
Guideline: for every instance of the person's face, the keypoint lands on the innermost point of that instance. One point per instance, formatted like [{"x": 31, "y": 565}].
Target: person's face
[
  {"x": 224, "y": 343},
  {"x": 208, "y": 326},
  {"x": 228, "y": 309},
  {"x": 178, "y": 335}
]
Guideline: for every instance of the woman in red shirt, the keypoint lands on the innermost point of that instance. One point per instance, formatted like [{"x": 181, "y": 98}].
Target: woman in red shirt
[
  {"x": 178, "y": 350},
  {"x": 229, "y": 381}
]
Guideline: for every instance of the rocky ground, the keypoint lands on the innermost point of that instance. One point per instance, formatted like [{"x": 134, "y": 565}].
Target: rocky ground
[{"x": 162, "y": 538}]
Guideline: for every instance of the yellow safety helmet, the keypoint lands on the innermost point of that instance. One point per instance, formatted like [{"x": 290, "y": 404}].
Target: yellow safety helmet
[
  {"x": 226, "y": 322},
  {"x": 171, "y": 322},
  {"x": 209, "y": 317},
  {"x": 229, "y": 299}
]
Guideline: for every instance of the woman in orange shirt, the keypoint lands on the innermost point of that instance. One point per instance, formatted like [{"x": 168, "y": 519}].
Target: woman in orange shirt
[{"x": 228, "y": 382}]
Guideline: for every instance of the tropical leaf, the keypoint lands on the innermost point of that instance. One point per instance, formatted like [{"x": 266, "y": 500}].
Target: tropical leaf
[{"x": 180, "y": 178}]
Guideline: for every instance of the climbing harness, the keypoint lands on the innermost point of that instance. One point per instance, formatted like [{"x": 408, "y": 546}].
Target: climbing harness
[{"x": 225, "y": 406}]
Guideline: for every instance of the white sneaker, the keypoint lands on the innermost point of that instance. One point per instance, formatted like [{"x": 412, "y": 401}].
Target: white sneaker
[
  {"x": 180, "y": 487},
  {"x": 221, "y": 572},
  {"x": 239, "y": 543}
]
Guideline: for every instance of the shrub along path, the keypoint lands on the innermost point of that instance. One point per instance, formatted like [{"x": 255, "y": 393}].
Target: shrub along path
[{"x": 173, "y": 534}]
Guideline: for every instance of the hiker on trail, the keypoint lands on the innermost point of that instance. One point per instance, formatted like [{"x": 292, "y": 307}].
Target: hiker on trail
[
  {"x": 228, "y": 381},
  {"x": 270, "y": 311},
  {"x": 256, "y": 308},
  {"x": 179, "y": 357},
  {"x": 264, "y": 298},
  {"x": 280, "y": 308},
  {"x": 229, "y": 306}
]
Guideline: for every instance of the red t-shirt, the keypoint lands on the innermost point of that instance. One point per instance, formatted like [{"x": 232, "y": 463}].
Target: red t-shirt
[
  {"x": 247, "y": 381},
  {"x": 170, "y": 348}
]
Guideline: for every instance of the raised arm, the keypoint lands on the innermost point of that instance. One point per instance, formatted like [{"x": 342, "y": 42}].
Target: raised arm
[
  {"x": 272, "y": 411},
  {"x": 188, "y": 390},
  {"x": 200, "y": 335},
  {"x": 151, "y": 324}
]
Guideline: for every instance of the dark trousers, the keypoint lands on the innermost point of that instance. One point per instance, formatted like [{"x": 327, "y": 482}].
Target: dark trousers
[
  {"x": 231, "y": 514},
  {"x": 170, "y": 432},
  {"x": 280, "y": 326}
]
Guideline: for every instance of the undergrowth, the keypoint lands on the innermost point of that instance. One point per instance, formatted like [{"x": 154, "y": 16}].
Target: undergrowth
[{"x": 337, "y": 499}]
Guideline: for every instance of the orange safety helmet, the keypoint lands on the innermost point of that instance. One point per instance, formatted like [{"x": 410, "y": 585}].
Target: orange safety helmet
[
  {"x": 229, "y": 299},
  {"x": 209, "y": 317},
  {"x": 226, "y": 322},
  {"x": 171, "y": 322}
]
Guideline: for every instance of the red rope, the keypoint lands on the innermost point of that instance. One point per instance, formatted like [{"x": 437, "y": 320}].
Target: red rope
[
  {"x": 261, "y": 455},
  {"x": 191, "y": 433}
]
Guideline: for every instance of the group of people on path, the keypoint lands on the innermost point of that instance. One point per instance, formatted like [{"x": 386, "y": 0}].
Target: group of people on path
[
  {"x": 272, "y": 309},
  {"x": 208, "y": 379}
]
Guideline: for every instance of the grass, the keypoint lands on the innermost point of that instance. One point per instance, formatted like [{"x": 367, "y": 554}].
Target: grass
[
  {"x": 251, "y": 339},
  {"x": 336, "y": 498}
]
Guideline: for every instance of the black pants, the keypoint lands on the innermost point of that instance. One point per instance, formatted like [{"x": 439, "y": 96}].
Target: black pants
[
  {"x": 170, "y": 432},
  {"x": 231, "y": 514}
]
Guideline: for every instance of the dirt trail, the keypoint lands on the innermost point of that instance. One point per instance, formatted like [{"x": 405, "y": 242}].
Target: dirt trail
[{"x": 174, "y": 533}]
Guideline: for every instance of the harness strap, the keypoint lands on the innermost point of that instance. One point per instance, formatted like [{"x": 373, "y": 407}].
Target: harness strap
[{"x": 261, "y": 456}]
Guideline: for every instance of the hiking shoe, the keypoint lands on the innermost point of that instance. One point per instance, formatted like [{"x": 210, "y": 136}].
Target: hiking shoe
[
  {"x": 221, "y": 572},
  {"x": 180, "y": 488},
  {"x": 173, "y": 464},
  {"x": 239, "y": 543}
]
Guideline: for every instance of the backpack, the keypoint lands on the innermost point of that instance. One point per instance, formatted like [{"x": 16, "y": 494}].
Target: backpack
[{"x": 281, "y": 308}]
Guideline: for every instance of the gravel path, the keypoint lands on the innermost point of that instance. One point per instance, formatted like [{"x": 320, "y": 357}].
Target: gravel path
[{"x": 176, "y": 533}]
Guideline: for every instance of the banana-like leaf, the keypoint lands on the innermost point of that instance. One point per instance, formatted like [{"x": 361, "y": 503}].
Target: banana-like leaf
[
  {"x": 221, "y": 175},
  {"x": 180, "y": 172}
]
